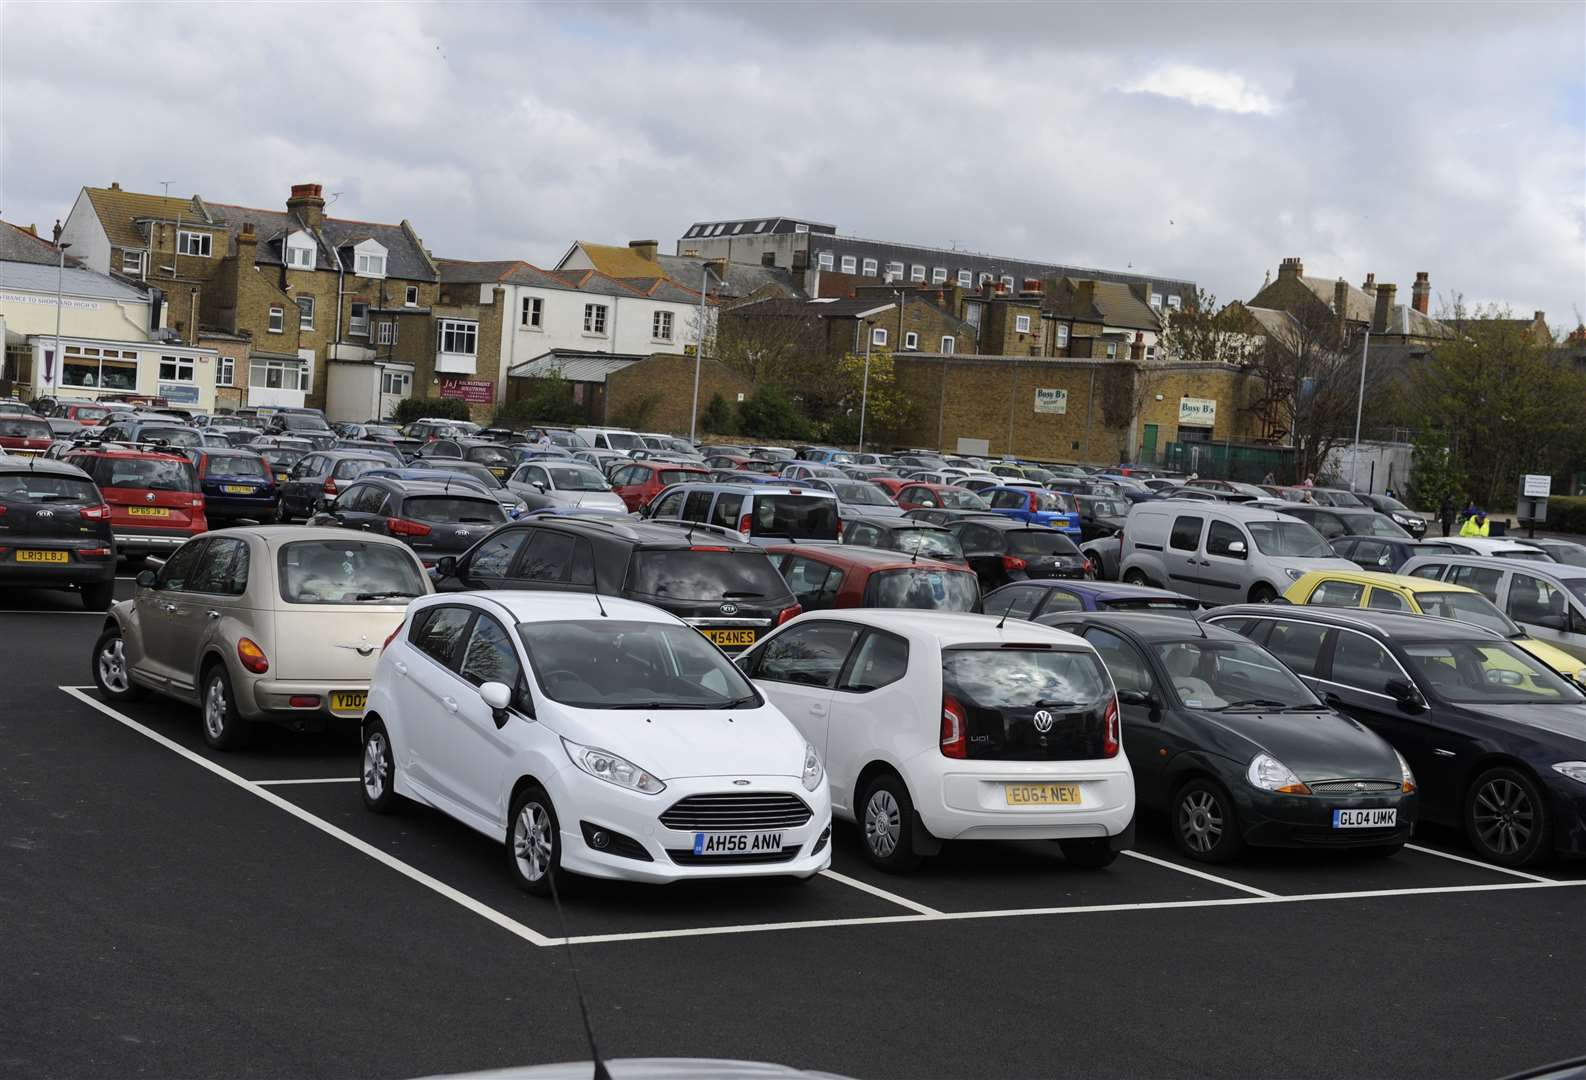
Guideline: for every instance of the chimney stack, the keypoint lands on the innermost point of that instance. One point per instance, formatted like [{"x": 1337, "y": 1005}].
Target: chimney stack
[
  {"x": 1341, "y": 298},
  {"x": 1291, "y": 267},
  {"x": 645, "y": 249},
  {"x": 1384, "y": 313},
  {"x": 1369, "y": 286},
  {"x": 1421, "y": 292},
  {"x": 58, "y": 231},
  {"x": 1540, "y": 317},
  {"x": 115, "y": 185},
  {"x": 1032, "y": 287},
  {"x": 308, "y": 204},
  {"x": 247, "y": 245}
]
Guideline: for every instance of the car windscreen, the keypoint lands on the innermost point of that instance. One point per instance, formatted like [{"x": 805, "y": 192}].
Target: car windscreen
[
  {"x": 859, "y": 493},
  {"x": 682, "y": 476},
  {"x": 569, "y": 439},
  {"x": 1568, "y": 554},
  {"x": 1027, "y": 542},
  {"x": 171, "y": 436},
  {"x": 31, "y": 486},
  {"x": 282, "y": 457},
  {"x": 346, "y": 572},
  {"x": 922, "y": 587},
  {"x": 348, "y": 468},
  {"x": 153, "y": 474},
  {"x": 89, "y": 412},
  {"x": 382, "y": 431},
  {"x": 797, "y": 517},
  {"x": 1290, "y": 539},
  {"x": 621, "y": 440},
  {"x": 1388, "y": 502},
  {"x": 617, "y": 664},
  {"x": 453, "y": 510},
  {"x": 1153, "y": 605},
  {"x": 956, "y": 498},
  {"x": 697, "y": 573},
  {"x": 1218, "y": 675},
  {"x": 467, "y": 468},
  {"x": 930, "y": 543},
  {"x": 236, "y": 466},
  {"x": 1488, "y": 673},
  {"x": 1468, "y": 607},
  {"x": 302, "y": 422},
  {"x": 576, "y": 478},
  {"x": 24, "y": 427},
  {"x": 1114, "y": 508},
  {"x": 492, "y": 455},
  {"x": 1376, "y": 525}
]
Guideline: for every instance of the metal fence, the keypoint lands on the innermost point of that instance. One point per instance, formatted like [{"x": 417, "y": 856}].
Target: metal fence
[{"x": 1226, "y": 461}]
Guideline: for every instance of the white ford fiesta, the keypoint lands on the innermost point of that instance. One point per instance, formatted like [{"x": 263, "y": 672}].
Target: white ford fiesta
[
  {"x": 938, "y": 725},
  {"x": 606, "y": 738}
]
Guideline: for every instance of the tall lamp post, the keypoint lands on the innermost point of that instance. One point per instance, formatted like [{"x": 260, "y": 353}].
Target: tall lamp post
[
  {"x": 699, "y": 347},
  {"x": 53, "y": 375},
  {"x": 1360, "y": 405},
  {"x": 864, "y": 393}
]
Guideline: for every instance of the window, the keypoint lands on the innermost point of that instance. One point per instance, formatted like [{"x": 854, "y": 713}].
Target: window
[
  {"x": 814, "y": 584},
  {"x": 411, "y": 299},
  {"x": 439, "y": 634},
  {"x": 1156, "y": 300},
  {"x": 1480, "y": 578},
  {"x": 1186, "y": 535},
  {"x": 533, "y": 312},
  {"x": 759, "y": 226},
  {"x": 176, "y": 369},
  {"x": 1173, "y": 302},
  {"x": 661, "y": 326},
  {"x": 1538, "y": 602},
  {"x": 826, "y": 260},
  {"x": 180, "y": 567},
  {"x": 277, "y": 320},
  {"x": 549, "y": 558},
  {"x": 224, "y": 568},
  {"x": 916, "y": 272},
  {"x": 810, "y": 655},
  {"x": 1021, "y": 324},
  {"x": 878, "y": 336},
  {"x": 1384, "y": 600},
  {"x": 305, "y": 313},
  {"x": 1221, "y": 538},
  {"x": 911, "y": 340},
  {"x": 386, "y": 332},
  {"x": 300, "y": 255},
  {"x": 801, "y": 228},
  {"x": 1150, "y": 352},
  {"x": 1431, "y": 571},
  {"x": 1336, "y": 594},
  {"x": 966, "y": 279},
  {"x": 870, "y": 268},
  {"x": 458, "y": 337},
  {"x": 850, "y": 264},
  {"x": 370, "y": 264},
  {"x": 399, "y": 383},
  {"x": 725, "y": 512},
  {"x": 1298, "y": 645},
  {"x": 894, "y": 271},
  {"x": 193, "y": 243},
  {"x": 225, "y": 371},
  {"x": 132, "y": 262},
  {"x": 277, "y": 374},
  {"x": 1006, "y": 281},
  {"x": 1360, "y": 662},
  {"x": 882, "y": 659},
  {"x": 738, "y": 228},
  {"x": 985, "y": 277},
  {"x": 594, "y": 318},
  {"x": 359, "y": 324},
  {"x": 489, "y": 655},
  {"x": 949, "y": 344},
  {"x": 1123, "y": 662},
  {"x": 1062, "y": 335},
  {"x": 938, "y": 275},
  {"x": 1016, "y": 601}
]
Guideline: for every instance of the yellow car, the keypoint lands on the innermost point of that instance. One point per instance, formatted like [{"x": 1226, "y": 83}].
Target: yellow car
[{"x": 1396, "y": 592}]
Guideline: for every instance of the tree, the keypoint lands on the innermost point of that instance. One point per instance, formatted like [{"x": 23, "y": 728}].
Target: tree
[
  {"x": 410, "y": 409},
  {"x": 716, "y": 419},
  {"x": 1433, "y": 475},
  {"x": 551, "y": 403},
  {"x": 888, "y": 411},
  {"x": 777, "y": 342},
  {"x": 635, "y": 415},
  {"x": 1200, "y": 333},
  {"x": 770, "y": 414}
]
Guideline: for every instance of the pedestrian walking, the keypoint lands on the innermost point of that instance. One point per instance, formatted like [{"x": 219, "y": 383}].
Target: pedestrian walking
[
  {"x": 1445, "y": 514},
  {"x": 1269, "y": 480},
  {"x": 1475, "y": 525}
]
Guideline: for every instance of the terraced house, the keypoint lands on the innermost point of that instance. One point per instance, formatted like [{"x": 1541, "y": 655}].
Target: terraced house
[{"x": 305, "y": 309}]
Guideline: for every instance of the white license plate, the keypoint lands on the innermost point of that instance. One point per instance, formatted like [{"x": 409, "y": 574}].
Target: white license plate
[
  {"x": 742, "y": 843},
  {"x": 1365, "y": 819}
]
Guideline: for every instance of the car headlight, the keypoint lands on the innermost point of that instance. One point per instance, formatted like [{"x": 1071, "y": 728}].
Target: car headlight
[
  {"x": 813, "y": 772},
  {"x": 1400, "y": 519},
  {"x": 1407, "y": 778},
  {"x": 520, "y": 506},
  {"x": 1269, "y": 774},
  {"x": 1295, "y": 575},
  {"x": 1575, "y": 770},
  {"x": 604, "y": 765}
]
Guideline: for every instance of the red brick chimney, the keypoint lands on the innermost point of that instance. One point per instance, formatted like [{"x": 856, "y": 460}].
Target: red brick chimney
[
  {"x": 1421, "y": 291},
  {"x": 307, "y": 203}
]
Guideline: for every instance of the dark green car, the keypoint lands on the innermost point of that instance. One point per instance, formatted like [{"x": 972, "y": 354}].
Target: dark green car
[{"x": 1237, "y": 750}]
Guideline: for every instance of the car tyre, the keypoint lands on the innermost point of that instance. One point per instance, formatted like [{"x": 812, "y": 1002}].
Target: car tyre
[
  {"x": 886, "y": 824},
  {"x": 1090, "y": 853},
  {"x": 534, "y": 843},
  {"x": 1506, "y": 818},
  {"x": 378, "y": 775},
  {"x": 1135, "y": 577},
  {"x": 223, "y": 728},
  {"x": 111, "y": 673},
  {"x": 99, "y": 595},
  {"x": 1205, "y": 824},
  {"x": 1262, "y": 593}
]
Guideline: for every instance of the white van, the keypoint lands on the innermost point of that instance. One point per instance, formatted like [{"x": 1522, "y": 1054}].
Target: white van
[
  {"x": 1220, "y": 553},
  {"x": 609, "y": 438}
]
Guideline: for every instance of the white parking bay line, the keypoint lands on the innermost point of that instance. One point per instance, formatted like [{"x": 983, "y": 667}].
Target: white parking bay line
[
  {"x": 311, "y": 780},
  {"x": 1477, "y": 862},
  {"x": 510, "y": 925},
  {"x": 865, "y": 886},
  {"x": 48, "y": 611},
  {"x": 1203, "y": 875}
]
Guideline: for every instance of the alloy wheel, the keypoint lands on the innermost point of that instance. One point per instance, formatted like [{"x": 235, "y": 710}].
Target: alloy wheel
[
  {"x": 1201, "y": 820},
  {"x": 531, "y": 841},
  {"x": 113, "y": 666},
  {"x": 883, "y": 823},
  {"x": 215, "y": 707},
  {"x": 1504, "y": 816},
  {"x": 376, "y": 769}
]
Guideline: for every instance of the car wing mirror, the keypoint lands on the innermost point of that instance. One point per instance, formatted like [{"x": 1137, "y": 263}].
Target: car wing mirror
[
  {"x": 497, "y": 696},
  {"x": 146, "y": 579},
  {"x": 1408, "y": 697},
  {"x": 446, "y": 566},
  {"x": 1141, "y": 698}
]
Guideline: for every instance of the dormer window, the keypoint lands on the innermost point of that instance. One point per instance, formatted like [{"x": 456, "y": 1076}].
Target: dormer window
[
  {"x": 369, "y": 259},
  {"x": 300, "y": 251}
]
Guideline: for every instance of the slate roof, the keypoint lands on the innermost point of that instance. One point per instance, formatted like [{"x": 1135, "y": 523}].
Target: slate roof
[
  {"x": 1119, "y": 306},
  {"x": 120, "y": 211},
  {"x": 505, "y": 272},
  {"x": 760, "y": 226},
  {"x": 74, "y": 281},
  {"x": 20, "y": 246},
  {"x": 1361, "y": 307},
  {"x": 742, "y": 279}
]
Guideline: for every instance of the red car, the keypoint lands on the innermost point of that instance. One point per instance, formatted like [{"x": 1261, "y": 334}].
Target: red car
[
  {"x": 844, "y": 577},
  {"x": 85, "y": 413},
  {"x": 915, "y": 495},
  {"x": 640, "y": 481},
  {"x": 154, "y": 499},
  {"x": 890, "y": 484},
  {"x": 25, "y": 434}
]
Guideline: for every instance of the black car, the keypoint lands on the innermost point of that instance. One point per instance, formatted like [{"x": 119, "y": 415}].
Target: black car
[
  {"x": 908, "y": 535},
  {"x": 1385, "y": 553},
  {"x": 1401, "y": 515},
  {"x": 1333, "y": 521},
  {"x": 1101, "y": 515},
  {"x": 319, "y": 477},
  {"x": 434, "y": 519},
  {"x": 1236, "y": 750},
  {"x": 55, "y": 531},
  {"x": 307, "y": 424},
  {"x": 280, "y": 459},
  {"x": 1497, "y": 741},
  {"x": 942, "y": 515},
  {"x": 236, "y": 484},
  {"x": 156, "y": 431},
  {"x": 729, "y": 590},
  {"x": 1011, "y": 550}
]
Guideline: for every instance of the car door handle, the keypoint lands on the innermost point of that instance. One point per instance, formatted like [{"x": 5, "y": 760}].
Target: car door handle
[
  {"x": 450, "y": 703},
  {"x": 401, "y": 668},
  {"x": 817, "y": 710},
  {"x": 212, "y": 614},
  {"x": 168, "y": 607}
]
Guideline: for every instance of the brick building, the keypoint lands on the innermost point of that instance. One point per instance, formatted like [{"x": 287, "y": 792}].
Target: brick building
[{"x": 1372, "y": 306}]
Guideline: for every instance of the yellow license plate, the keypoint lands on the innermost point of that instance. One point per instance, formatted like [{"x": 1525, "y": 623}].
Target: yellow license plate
[
  {"x": 1042, "y": 794},
  {"x": 236, "y": 489},
  {"x": 497, "y": 472},
  {"x": 348, "y": 700},
  {"x": 42, "y": 556},
  {"x": 732, "y": 637},
  {"x": 280, "y": 478},
  {"x": 148, "y": 511}
]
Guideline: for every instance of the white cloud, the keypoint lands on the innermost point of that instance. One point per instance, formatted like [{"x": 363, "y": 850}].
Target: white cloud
[{"x": 1205, "y": 89}]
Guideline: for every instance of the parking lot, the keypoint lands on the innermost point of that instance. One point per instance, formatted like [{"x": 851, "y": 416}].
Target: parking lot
[{"x": 177, "y": 911}]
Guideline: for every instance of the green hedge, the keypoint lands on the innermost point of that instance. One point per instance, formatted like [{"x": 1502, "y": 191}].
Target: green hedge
[
  {"x": 411, "y": 409},
  {"x": 1566, "y": 513}
]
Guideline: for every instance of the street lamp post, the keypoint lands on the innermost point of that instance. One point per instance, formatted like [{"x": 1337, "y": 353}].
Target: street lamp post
[
  {"x": 864, "y": 393},
  {"x": 1360, "y": 405},
  {"x": 54, "y": 374},
  {"x": 699, "y": 346}
]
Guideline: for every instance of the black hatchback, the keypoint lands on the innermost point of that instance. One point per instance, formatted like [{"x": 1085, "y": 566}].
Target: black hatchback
[
  {"x": 1009, "y": 550},
  {"x": 435, "y": 519},
  {"x": 55, "y": 531},
  {"x": 1497, "y": 740},
  {"x": 728, "y": 590},
  {"x": 319, "y": 477}
]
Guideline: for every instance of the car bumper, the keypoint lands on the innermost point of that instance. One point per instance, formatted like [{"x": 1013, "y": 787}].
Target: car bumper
[
  {"x": 128, "y": 543},
  {"x": 271, "y": 700},
  {"x": 223, "y": 506},
  {"x": 1568, "y": 799},
  {"x": 1306, "y": 821},
  {"x": 80, "y": 571},
  {"x": 968, "y": 800},
  {"x": 582, "y": 800}
]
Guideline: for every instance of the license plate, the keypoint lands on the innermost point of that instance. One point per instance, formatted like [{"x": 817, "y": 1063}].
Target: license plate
[
  {"x": 148, "y": 511},
  {"x": 1366, "y": 819},
  {"x": 732, "y": 637},
  {"x": 743, "y": 843},
  {"x": 42, "y": 556},
  {"x": 348, "y": 700},
  {"x": 497, "y": 472},
  {"x": 1041, "y": 794},
  {"x": 236, "y": 489},
  {"x": 281, "y": 478}
]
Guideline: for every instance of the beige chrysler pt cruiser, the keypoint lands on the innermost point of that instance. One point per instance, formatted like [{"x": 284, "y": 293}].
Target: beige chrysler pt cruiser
[{"x": 274, "y": 624}]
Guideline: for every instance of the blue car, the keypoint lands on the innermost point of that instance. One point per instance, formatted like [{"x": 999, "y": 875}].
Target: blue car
[
  {"x": 1034, "y": 600},
  {"x": 826, "y": 455},
  {"x": 1036, "y": 506},
  {"x": 236, "y": 484}
]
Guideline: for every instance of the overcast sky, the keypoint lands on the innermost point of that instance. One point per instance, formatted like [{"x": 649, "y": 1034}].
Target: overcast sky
[{"x": 1187, "y": 140}]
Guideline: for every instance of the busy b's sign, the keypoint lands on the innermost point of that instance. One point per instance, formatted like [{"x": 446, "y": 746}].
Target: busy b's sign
[{"x": 473, "y": 391}]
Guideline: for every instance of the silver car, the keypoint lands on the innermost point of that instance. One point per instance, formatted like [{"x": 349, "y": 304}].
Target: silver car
[
  {"x": 1547, "y": 599},
  {"x": 274, "y": 624},
  {"x": 563, "y": 483}
]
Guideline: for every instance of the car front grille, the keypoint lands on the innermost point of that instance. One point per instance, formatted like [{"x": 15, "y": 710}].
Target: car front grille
[
  {"x": 686, "y": 857},
  {"x": 737, "y": 811},
  {"x": 1353, "y": 787}
]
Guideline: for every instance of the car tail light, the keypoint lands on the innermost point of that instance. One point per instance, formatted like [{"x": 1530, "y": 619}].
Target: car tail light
[
  {"x": 789, "y": 613},
  {"x": 392, "y": 636},
  {"x": 709, "y": 547},
  {"x": 744, "y": 523},
  {"x": 1090, "y": 567},
  {"x": 252, "y": 656},
  {"x": 1109, "y": 744},
  {"x": 406, "y": 527},
  {"x": 1013, "y": 562},
  {"x": 303, "y": 701},
  {"x": 955, "y": 739},
  {"x": 330, "y": 485},
  {"x": 97, "y": 552},
  {"x": 95, "y": 513}
]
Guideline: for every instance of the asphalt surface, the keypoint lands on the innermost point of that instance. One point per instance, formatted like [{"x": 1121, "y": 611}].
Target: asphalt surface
[{"x": 163, "y": 918}]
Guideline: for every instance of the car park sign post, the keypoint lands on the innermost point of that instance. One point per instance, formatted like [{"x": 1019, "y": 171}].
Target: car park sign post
[{"x": 1532, "y": 507}]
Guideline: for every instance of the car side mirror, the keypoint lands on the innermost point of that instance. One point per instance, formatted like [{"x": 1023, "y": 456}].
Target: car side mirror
[
  {"x": 446, "y": 566},
  {"x": 498, "y": 696},
  {"x": 1237, "y": 547},
  {"x": 146, "y": 579},
  {"x": 539, "y": 486},
  {"x": 1141, "y": 698},
  {"x": 1408, "y": 697}
]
